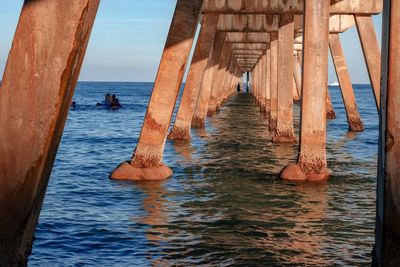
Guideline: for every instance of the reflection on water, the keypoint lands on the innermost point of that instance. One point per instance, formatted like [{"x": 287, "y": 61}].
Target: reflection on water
[{"x": 224, "y": 205}]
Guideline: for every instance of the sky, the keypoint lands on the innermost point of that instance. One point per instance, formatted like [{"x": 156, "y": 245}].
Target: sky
[{"x": 128, "y": 38}]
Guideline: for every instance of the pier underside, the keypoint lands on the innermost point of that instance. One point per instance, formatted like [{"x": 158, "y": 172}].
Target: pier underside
[{"x": 282, "y": 48}]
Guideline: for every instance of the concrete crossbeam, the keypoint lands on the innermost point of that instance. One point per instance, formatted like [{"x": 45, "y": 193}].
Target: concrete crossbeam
[{"x": 289, "y": 6}]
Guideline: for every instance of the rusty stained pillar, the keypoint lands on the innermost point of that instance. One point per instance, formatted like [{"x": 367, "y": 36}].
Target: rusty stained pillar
[
  {"x": 146, "y": 163},
  {"x": 312, "y": 164},
  {"x": 330, "y": 112},
  {"x": 285, "y": 131},
  {"x": 387, "y": 242},
  {"x": 274, "y": 81},
  {"x": 267, "y": 70},
  {"x": 346, "y": 87},
  {"x": 226, "y": 88},
  {"x": 181, "y": 128},
  {"x": 223, "y": 84},
  {"x": 263, "y": 83},
  {"x": 296, "y": 95},
  {"x": 259, "y": 84},
  {"x": 35, "y": 95},
  {"x": 372, "y": 53},
  {"x": 219, "y": 79},
  {"x": 200, "y": 113},
  {"x": 255, "y": 79},
  {"x": 297, "y": 74}
]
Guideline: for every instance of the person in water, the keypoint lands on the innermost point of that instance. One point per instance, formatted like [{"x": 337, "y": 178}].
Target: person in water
[
  {"x": 108, "y": 100},
  {"x": 115, "y": 102}
]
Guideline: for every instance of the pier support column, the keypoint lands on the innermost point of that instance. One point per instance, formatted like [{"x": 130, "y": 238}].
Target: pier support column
[
  {"x": 387, "y": 243},
  {"x": 346, "y": 87},
  {"x": 225, "y": 59},
  {"x": 35, "y": 95},
  {"x": 268, "y": 82},
  {"x": 285, "y": 131},
  {"x": 372, "y": 53},
  {"x": 146, "y": 163},
  {"x": 181, "y": 129},
  {"x": 297, "y": 76},
  {"x": 330, "y": 112},
  {"x": 274, "y": 81},
  {"x": 263, "y": 83},
  {"x": 200, "y": 113},
  {"x": 312, "y": 163}
]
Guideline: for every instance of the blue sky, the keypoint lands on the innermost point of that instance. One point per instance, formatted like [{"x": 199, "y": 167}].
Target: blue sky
[{"x": 129, "y": 35}]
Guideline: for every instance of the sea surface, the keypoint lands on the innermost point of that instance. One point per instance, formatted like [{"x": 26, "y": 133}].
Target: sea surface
[{"x": 224, "y": 206}]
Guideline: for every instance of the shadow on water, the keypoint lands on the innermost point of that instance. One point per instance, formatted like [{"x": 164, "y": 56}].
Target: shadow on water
[{"x": 224, "y": 205}]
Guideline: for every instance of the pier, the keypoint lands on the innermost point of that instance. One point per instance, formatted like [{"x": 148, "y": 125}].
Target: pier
[{"x": 276, "y": 49}]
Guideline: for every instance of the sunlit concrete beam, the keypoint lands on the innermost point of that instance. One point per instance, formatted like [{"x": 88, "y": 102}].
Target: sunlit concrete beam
[
  {"x": 248, "y": 37},
  {"x": 251, "y": 46},
  {"x": 289, "y": 6}
]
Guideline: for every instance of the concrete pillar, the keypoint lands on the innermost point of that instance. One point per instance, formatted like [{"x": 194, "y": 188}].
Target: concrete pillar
[
  {"x": 224, "y": 63},
  {"x": 274, "y": 81},
  {"x": 264, "y": 83},
  {"x": 297, "y": 74},
  {"x": 200, "y": 113},
  {"x": 181, "y": 129},
  {"x": 268, "y": 82},
  {"x": 35, "y": 95},
  {"x": 296, "y": 94},
  {"x": 372, "y": 53},
  {"x": 285, "y": 131},
  {"x": 349, "y": 99},
  {"x": 312, "y": 163},
  {"x": 387, "y": 243},
  {"x": 248, "y": 81},
  {"x": 146, "y": 163},
  {"x": 330, "y": 112},
  {"x": 296, "y": 80}
]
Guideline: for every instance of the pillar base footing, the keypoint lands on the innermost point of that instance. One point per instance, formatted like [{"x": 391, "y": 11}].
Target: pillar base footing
[
  {"x": 294, "y": 173},
  {"x": 356, "y": 125},
  {"x": 198, "y": 122},
  {"x": 284, "y": 139},
  {"x": 179, "y": 134},
  {"x": 126, "y": 172},
  {"x": 331, "y": 115}
]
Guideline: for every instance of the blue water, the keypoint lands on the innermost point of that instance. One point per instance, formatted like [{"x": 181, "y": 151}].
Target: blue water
[{"x": 224, "y": 205}]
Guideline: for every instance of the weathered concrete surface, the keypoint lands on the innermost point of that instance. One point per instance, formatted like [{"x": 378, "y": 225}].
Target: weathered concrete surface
[
  {"x": 256, "y": 46},
  {"x": 372, "y": 53},
  {"x": 226, "y": 57},
  {"x": 149, "y": 151},
  {"x": 248, "y": 37},
  {"x": 268, "y": 83},
  {"x": 387, "y": 247},
  {"x": 312, "y": 156},
  {"x": 274, "y": 82},
  {"x": 248, "y": 23},
  {"x": 289, "y": 6},
  {"x": 330, "y": 112},
  {"x": 297, "y": 76},
  {"x": 200, "y": 113},
  {"x": 42, "y": 71},
  {"x": 263, "y": 83},
  {"x": 181, "y": 128},
  {"x": 346, "y": 87},
  {"x": 285, "y": 131}
]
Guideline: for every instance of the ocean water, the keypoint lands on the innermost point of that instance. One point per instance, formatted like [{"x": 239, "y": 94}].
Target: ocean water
[{"x": 224, "y": 206}]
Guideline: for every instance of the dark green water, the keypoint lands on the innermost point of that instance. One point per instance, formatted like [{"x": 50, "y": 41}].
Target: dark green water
[{"x": 224, "y": 205}]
